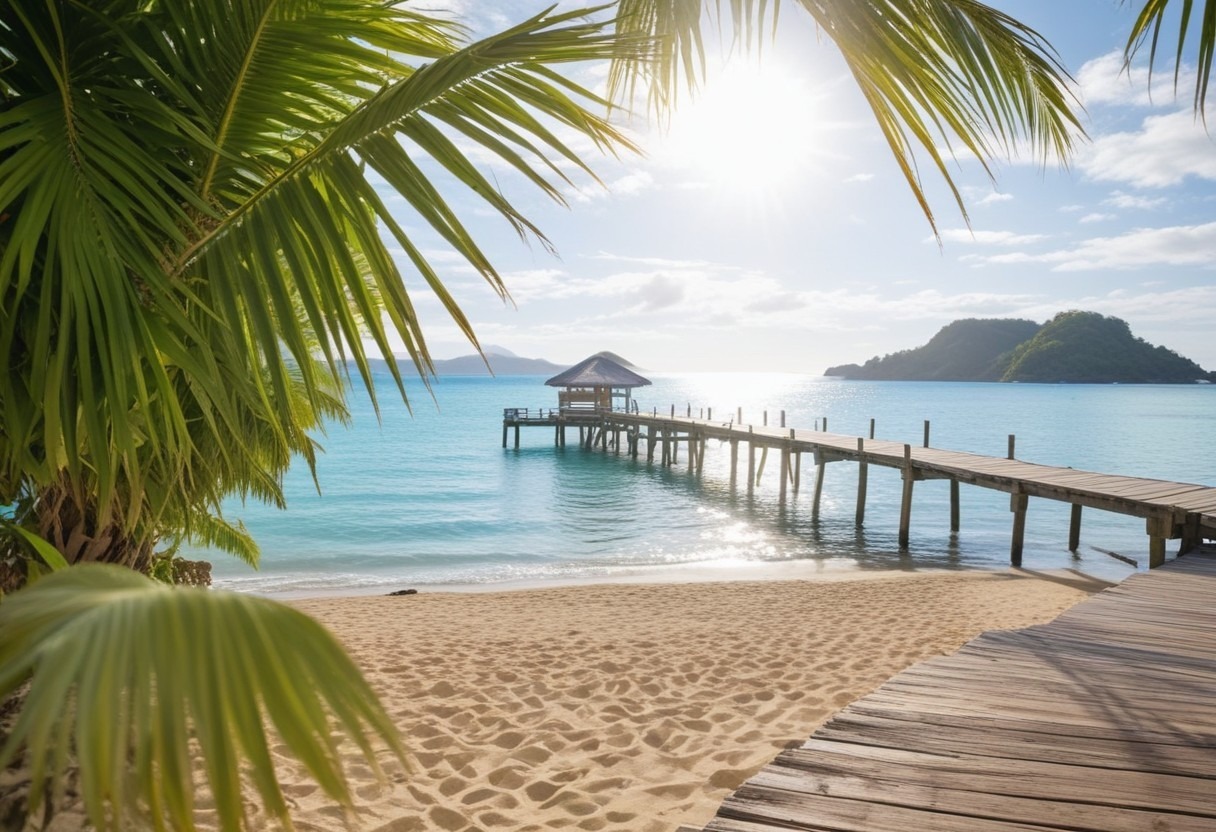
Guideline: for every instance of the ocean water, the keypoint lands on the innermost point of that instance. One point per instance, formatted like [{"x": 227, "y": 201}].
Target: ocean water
[{"x": 431, "y": 499}]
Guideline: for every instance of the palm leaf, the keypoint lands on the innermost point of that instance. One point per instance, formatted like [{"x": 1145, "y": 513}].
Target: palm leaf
[
  {"x": 134, "y": 674},
  {"x": 931, "y": 71},
  {"x": 1148, "y": 26}
]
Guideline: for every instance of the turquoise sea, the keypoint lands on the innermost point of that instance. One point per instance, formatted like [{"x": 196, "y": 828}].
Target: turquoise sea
[{"x": 433, "y": 500}]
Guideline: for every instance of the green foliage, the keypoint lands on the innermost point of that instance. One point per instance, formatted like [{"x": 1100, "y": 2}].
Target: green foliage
[
  {"x": 1149, "y": 24},
  {"x": 972, "y": 349},
  {"x": 188, "y": 220},
  {"x": 1089, "y": 347},
  {"x": 130, "y": 674},
  {"x": 1072, "y": 347}
]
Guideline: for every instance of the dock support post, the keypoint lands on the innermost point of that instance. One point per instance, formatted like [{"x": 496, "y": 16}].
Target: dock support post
[
  {"x": 700, "y": 455},
  {"x": 821, "y": 465},
  {"x": 517, "y": 436},
  {"x": 954, "y": 514},
  {"x": 763, "y": 460},
  {"x": 1017, "y": 504},
  {"x": 751, "y": 464},
  {"x": 1074, "y": 529},
  {"x": 652, "y": 439},
  {"x": 692, "y": 451},
  {"x": 734, "y": 463},
  {"x": 785, "y": 473},
  {"x": 675, "y": 447},
  {"x": 905, "y": 504},
  {"x": 797, "y": 468},
  {"x": 1190, "y": 534},
  {"x": 862, "y": 475},
  {"x": 1159, "y": 529},
  {"x": 504, "y": 434}
]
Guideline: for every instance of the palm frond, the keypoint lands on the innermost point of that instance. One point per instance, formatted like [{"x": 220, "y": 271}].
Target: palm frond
[
  {"x": 1148, "y": 26},
  {"x": 931, "y": 71},
  {"x": 133, "y": 672}
]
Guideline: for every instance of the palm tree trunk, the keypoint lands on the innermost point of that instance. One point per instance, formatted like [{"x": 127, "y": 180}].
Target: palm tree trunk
[{"x": 70, "y": 525}]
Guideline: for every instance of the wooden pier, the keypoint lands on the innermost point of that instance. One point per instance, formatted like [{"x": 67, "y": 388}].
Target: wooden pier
[
  {"x": 1100, "y": 721},
  {"x": 1172, "y": 511}
]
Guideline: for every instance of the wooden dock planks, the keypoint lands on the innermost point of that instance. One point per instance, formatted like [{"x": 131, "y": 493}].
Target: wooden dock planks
[{"x": 1101, "y": 721}]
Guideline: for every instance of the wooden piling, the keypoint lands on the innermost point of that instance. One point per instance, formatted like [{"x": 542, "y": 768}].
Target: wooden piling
[
  {"x": 517, "y": 436},
  {"x": 1074, "y": 529},
  {"x": 862, "y": 475},
  {"x": 782, "y": 418},
  {"x": 734, "y": 463},
  {"x": 905, "y": 503},
  {"x": 954, "y": 512},
  {"x": 1012, "y": 442},
  {"x": 1017, "y": 504},
  {"x": 821, "y": 465},
  {"x": 504, "y": 433},
  {"x": 926, "y": 433},
  {"x": 871, "y": 428},
  {"x": 751, "y": 464},
  {"x": 785, "y": 473}
]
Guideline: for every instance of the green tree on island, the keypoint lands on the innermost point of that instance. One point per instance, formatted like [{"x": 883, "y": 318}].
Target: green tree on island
[{"x": 194, "y": 241}]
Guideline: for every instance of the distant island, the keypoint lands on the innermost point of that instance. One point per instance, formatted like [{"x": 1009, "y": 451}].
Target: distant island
[{"x": 1075, "y": 347}]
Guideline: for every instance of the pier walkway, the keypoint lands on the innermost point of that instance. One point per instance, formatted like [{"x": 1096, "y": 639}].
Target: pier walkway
[
  {"x": 1100, "y": 721},
  {"x": 1171, "y": 510}
]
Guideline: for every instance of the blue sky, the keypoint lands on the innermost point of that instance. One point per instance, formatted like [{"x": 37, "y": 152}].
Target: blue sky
[{"x": 769, "y": 229}]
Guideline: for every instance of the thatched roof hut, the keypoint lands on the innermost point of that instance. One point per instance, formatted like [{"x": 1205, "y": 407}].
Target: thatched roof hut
[{"x": 593, "y": 383}]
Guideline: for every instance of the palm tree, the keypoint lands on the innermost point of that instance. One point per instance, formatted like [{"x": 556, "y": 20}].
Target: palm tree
[{"x": 193, "y": 244}]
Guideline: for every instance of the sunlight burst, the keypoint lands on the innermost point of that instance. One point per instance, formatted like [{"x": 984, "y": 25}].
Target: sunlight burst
[{"x": 750, "y": 130}]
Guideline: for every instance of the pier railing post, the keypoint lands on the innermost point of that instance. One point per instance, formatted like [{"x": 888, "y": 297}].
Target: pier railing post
[
  {"x": 926, "y": 433},
  {"x": 871, "y": 428},
  {"x": 782, "y": 418},
  {"x": 1012, "y": 442}
]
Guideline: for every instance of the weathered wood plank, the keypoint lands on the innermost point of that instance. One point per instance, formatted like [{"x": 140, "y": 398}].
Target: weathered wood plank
[{"x": 1100, "y": 721}]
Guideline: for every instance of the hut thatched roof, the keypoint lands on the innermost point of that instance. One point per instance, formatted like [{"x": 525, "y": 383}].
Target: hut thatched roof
[{"x": 597, "y": 371}]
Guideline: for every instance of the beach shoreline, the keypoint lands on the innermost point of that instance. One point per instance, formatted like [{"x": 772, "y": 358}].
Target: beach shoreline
[{"x": 633, "y": 706}]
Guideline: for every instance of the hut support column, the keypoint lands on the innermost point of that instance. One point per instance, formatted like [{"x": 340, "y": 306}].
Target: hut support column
[
  {"x": 1074, "y": 529},
  {"x": 1018, "y": 504},
  {"x": 651, "y": 439},
  {"x": 954, "y": 513}
]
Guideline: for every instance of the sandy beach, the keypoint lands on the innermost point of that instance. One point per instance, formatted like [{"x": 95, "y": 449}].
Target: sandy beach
[{"x": 632, "y": 707}]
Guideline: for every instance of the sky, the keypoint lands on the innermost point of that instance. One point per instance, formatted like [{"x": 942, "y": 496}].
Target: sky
[{"x": 767, "y": 227}]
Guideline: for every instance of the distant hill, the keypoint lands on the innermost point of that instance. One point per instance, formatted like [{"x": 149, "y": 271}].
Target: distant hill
[
  {"x": 1088, "y": 347},
  {"x": 475, "y": 365},
  {"x": 972, "y": 349},
  {"x": 1071, "y": 347},
  {"x": 611, "y": 356}
]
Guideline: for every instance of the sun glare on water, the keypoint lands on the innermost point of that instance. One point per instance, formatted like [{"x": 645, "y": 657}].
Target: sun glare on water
[{"x": 750, "y": 131}]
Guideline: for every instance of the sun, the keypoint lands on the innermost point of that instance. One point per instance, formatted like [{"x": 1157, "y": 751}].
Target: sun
[{"x": 751, "y": 129}]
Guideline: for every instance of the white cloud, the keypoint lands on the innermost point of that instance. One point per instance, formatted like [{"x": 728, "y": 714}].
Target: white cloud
[
  {"x": 1120, "y": 199},
  {"x": 1068, "y": 209},
  {"x": 1164, "y": 151},
  {"x": 994, "y": 197},
  {"x": 1106, "y": 80},
  {"x": 860, "y": 177},
  {"x": 1089, "y": 218},
  {"x": 1182, "y": 245},
  {"x": 988, "y": 238}
]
